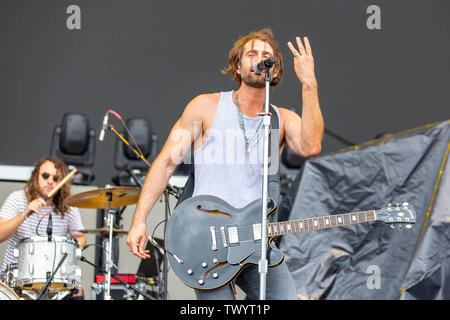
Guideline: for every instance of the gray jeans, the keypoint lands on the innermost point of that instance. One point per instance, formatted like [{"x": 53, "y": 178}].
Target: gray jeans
[{"x": 279, "y": 285}]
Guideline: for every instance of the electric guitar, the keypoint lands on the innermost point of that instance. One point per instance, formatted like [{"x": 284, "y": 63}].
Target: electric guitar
[{"x": 209, "y": 242}]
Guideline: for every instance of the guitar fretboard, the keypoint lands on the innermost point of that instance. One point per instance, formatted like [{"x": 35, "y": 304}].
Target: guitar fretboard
[{"x": 309, "y": 224}]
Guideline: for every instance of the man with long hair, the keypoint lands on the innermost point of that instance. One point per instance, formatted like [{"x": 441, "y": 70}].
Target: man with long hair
[
  {"x": 22, "y": 212},
  {"x": 206, "y": 123}
]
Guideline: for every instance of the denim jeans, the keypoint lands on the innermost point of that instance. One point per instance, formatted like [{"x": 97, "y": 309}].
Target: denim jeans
[{"x": 279, "y": 285}]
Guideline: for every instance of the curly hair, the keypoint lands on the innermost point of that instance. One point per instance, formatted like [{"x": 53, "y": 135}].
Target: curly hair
[
  {"x": 235, "y": 54},
  {"x": 32, "y": 185}
]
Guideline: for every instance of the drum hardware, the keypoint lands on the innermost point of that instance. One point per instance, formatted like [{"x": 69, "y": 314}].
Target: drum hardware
[
  {"x": 106, "y": 198},
  {"x": 104, "y": 232},
  {"x": 104, "y": 285},
  {"x": 50, "y": 278},
  {"x": 176, "y": 191}
]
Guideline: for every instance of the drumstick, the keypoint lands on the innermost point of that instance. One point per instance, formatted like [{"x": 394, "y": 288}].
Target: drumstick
[
  {"x": 59, "y": 185},
  {"x": 55, "y": 189}
]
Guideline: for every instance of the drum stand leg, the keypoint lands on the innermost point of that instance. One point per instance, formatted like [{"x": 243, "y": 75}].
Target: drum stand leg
[{"x": 109, "y": 261}]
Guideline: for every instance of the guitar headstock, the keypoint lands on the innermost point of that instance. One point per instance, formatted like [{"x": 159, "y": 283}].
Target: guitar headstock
[{"x": 397, "y": 214}]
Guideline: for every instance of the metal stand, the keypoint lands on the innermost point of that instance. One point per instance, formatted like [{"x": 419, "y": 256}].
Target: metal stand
[
  {"x": 109, "y": 262},
  {"x": 169, "y": 190},
  {"x": 165, "y": 259},
  {"x": 262, "y": 266},
  {"x": 126, "y": 285},
  {"x": 44, "y": 290}
]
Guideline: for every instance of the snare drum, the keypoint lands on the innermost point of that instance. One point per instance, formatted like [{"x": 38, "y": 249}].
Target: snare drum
[{"x": 37, "y": 257}]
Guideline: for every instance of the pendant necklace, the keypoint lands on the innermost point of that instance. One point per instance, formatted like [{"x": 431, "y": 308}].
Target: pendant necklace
[{"x": 242, "y": 125}]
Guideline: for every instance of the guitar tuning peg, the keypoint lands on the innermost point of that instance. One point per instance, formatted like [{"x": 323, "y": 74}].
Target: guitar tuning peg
[
  {"x": 405, "y": 204},
  {"x": 408, "y": 225},
  {"x": 392, "y": 226},
  {"x": 389, "y": 204},
  {"x": 400, "y": 226}
]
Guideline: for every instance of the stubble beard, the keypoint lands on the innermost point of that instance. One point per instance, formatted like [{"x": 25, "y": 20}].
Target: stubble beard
[{"x": 253, "y": 80}]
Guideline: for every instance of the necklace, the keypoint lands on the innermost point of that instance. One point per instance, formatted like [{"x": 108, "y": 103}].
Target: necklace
[{"x": 242, "y": 125}]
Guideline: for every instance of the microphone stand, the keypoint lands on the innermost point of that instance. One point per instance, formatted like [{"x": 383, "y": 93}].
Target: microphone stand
[
  {"x": 169, "y": 190},
  {"x": 262, "y": 266},
  {"x": 49, "y": 228}
]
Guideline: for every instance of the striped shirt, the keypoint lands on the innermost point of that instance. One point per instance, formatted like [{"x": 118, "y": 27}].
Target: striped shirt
[{"x": 16, "y": 203}]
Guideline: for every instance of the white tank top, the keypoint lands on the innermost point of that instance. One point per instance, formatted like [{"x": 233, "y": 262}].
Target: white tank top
[{"x": 223, "y": 167}]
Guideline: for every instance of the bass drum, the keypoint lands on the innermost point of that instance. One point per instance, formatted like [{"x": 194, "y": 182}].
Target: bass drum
[{"x": 6, "y": 293}]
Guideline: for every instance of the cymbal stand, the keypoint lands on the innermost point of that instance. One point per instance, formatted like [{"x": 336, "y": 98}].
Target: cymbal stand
[{"x": 109, "y": 261}]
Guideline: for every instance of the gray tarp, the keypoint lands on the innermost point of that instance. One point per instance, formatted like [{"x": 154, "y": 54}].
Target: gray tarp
[{"x": 371, "y": 260}]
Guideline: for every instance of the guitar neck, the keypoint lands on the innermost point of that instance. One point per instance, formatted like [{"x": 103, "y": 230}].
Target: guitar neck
[{"x": 295, "y": 226}]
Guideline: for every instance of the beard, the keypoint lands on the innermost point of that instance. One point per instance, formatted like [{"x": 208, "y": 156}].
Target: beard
[{"x": 252, "y": 79}]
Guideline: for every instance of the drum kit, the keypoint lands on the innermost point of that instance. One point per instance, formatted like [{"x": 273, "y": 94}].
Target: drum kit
[{"x": 48, "y": 270}]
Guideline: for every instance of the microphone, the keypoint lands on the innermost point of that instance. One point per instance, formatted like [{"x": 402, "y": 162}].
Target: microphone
[
  {"x": 50, "y": 227},
  {"x": 259, "y": 67},
  {"x": 104, "y": 127}
]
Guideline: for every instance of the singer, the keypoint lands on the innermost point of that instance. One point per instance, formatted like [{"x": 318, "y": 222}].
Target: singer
[
  {"x": 15, "y": 222},
  {"x": 231, "y": 169}
]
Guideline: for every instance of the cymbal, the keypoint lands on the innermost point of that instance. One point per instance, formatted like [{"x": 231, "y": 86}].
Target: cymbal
[
  {"x": 104, "y": 198},
  {"x": 104, "y": 231}
]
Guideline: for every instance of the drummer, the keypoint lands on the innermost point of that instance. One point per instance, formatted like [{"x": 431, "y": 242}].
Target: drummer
[{"x": 21, "y": 215}]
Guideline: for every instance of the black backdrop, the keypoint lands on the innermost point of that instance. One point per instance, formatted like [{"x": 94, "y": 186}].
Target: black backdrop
[{"x": 150, "y": 58}]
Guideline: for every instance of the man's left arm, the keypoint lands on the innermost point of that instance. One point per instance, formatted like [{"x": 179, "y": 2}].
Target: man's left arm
[{"x": 304, "y": 135}]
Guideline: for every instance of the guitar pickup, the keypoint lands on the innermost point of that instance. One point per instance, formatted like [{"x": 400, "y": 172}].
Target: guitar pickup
[
  {"x": 224, "y": 238},
  {"x": 233, "y": 235},
  {"x": 213, "y": 238},
  {"x": 257, "y": 232}
]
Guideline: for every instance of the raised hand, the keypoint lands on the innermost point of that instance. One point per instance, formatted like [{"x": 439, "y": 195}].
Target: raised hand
[{"x": 303, "y": 61}]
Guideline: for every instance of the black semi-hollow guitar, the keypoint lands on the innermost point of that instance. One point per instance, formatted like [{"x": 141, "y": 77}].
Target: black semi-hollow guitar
[{"x": 209, "y": 242}]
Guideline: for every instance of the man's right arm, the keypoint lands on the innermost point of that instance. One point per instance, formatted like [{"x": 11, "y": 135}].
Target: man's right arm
[
  {"x": 9, "y": 226},
  {"x": 180, "y": 139}
]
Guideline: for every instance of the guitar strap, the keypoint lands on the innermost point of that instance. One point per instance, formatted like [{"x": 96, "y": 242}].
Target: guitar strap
[{"x": 273, "y": 179}]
